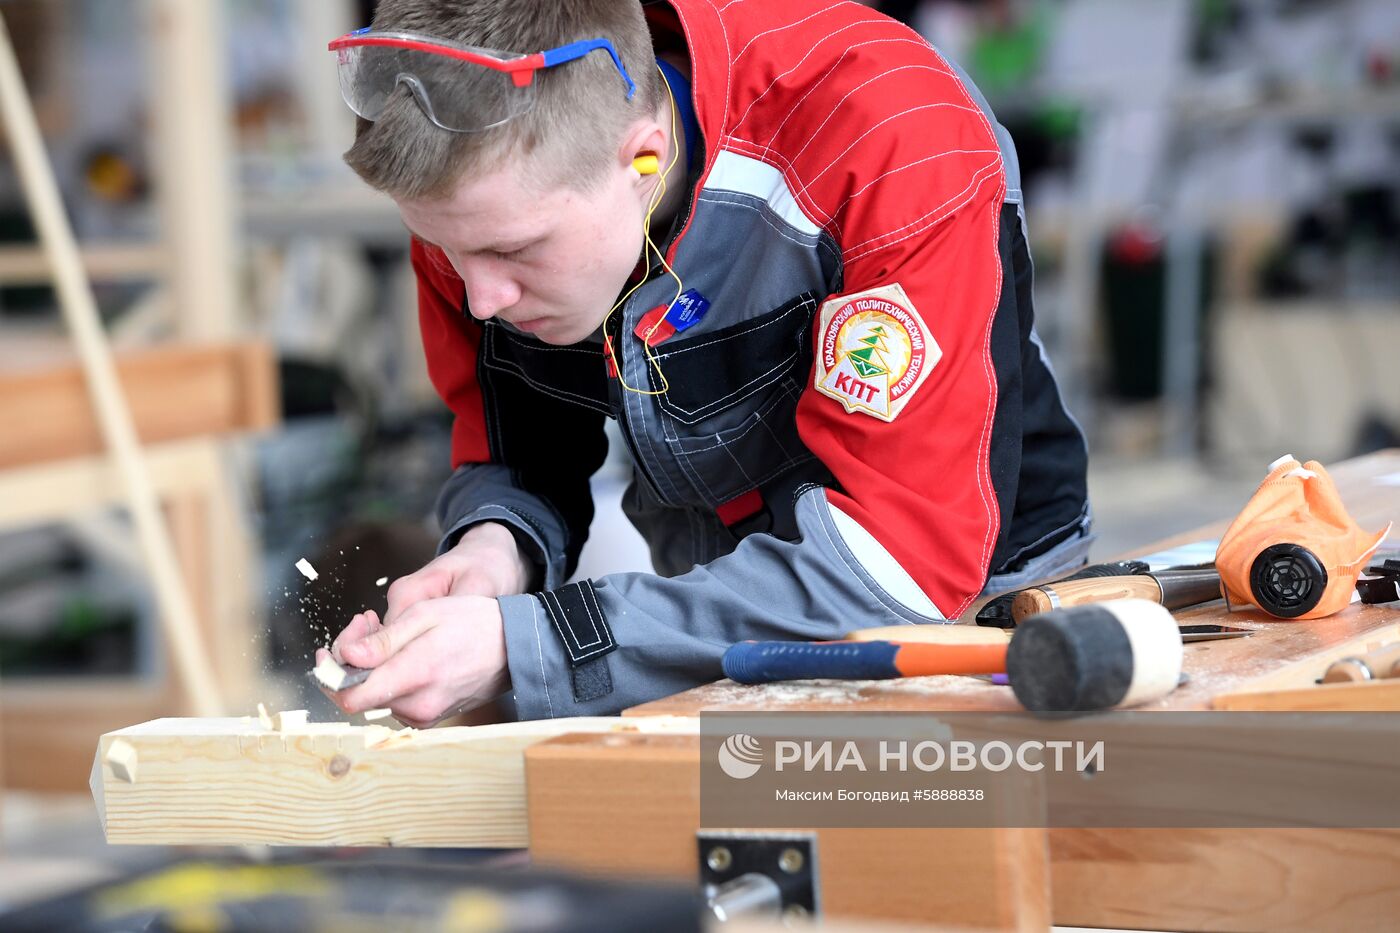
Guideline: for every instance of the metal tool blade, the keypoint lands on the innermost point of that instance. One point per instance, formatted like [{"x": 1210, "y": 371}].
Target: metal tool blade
[
  {"x": 1212, "y": 632},
  {"x": 354, "y": 676}
]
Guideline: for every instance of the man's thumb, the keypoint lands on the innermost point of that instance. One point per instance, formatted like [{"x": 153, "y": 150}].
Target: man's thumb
[{"x": 372, "y": 650}]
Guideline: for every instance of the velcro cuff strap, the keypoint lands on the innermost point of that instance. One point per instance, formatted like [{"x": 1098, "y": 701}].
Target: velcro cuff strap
[{"x": 579, "y": 620}]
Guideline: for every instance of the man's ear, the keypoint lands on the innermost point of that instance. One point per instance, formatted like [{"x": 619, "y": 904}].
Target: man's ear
[{"x": 645, "y": 152}]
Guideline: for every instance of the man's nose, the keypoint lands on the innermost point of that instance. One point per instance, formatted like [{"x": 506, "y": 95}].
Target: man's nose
[{"x": 489, "y": 291}]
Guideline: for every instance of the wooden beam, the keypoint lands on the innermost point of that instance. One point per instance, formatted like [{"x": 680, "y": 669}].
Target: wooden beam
[
  {"x": 53, "y": 491},
  {"x": 234, "y": 782},
  {"x": 174, "y": 392},
  {"x": 1226, "y": 880},
  {"x": 629, "y": 804},
  {"x": 104, "y": 262},
  {"x": 191, "y": 110},
  {"x": 1366, "y": 697}
]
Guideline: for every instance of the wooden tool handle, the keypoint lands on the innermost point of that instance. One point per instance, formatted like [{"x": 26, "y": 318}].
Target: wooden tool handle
[
  {"x": 1078, "y": 592},
  {"x": 933, "y": 633},
  {"x": 1380, "y": 664}
]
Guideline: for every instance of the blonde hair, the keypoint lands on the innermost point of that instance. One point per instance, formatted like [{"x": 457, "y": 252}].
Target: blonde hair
[{"x": 580, "y": 110}]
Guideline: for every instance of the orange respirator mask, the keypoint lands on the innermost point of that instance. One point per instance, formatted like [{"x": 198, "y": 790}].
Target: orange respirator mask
[{"x": 1294, "y": 551}]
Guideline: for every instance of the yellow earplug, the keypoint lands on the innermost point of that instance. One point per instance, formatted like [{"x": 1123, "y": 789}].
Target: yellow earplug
[{"x": 646, "y": 164}]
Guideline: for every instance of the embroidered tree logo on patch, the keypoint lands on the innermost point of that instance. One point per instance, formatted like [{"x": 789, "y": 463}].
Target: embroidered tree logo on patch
[
  {"x": 868, "y": 359},
  {"x": 875, "y": 351}
]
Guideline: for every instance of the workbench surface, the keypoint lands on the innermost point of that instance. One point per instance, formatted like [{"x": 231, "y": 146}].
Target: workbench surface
[{"x": 1280, "y": 654}]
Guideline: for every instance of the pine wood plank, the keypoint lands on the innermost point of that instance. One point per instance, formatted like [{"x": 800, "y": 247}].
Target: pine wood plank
[{"x": 227, "y": 781}]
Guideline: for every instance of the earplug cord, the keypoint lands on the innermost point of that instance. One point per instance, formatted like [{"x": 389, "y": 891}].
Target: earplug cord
[{"x": 657, "y": 196}]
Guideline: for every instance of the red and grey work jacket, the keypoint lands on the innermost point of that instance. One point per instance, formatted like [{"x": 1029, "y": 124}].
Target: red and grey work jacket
[{"x": 861, "y": 430}]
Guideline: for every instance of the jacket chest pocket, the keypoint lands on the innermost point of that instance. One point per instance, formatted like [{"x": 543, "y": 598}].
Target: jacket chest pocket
[
  {"x": 572, "y": 374},
  {"x": 729, "y": 414}
]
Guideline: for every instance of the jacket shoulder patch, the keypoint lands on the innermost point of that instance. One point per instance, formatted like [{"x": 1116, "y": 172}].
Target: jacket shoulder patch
[{"x": 875, "y": 351}]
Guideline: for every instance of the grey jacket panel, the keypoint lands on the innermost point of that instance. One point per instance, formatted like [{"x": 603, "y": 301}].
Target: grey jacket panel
[{"x": 671, "y": 633}]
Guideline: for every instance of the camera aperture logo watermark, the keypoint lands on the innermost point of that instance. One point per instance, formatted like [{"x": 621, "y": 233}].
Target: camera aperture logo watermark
[{"x": 741, "y": 756}]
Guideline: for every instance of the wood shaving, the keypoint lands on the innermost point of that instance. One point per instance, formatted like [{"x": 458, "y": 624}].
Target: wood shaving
[
  {"x": 329, "y": 673},
  {"x": 121, "y": 758},
  {"x": 290, "y": 719}
]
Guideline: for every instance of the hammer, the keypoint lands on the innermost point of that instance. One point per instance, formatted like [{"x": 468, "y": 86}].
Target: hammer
[{"x": 1099, "y": 656}]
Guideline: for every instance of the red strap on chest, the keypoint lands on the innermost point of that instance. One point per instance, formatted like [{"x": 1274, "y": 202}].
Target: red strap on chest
[{"x": 740, "y": 507}]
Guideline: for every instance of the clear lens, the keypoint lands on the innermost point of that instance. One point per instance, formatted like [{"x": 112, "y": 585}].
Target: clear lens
[{"x": 456, "y": 95}]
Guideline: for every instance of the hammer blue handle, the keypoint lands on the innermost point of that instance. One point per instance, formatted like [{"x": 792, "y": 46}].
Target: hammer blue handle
[{"x": 761, "y": 662}]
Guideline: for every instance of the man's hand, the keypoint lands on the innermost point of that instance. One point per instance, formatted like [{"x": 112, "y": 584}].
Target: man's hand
[
  {"x": 440, "y": 657},
  {"x": 485, "y": 562}
]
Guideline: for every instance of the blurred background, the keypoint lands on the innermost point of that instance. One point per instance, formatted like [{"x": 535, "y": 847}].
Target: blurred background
[{"x": 1212, "y": 200}]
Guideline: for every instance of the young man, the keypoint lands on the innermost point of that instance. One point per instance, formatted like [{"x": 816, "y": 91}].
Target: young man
[{"x": 838, "y": 409}]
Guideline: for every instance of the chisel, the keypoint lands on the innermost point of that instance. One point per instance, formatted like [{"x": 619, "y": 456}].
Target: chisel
[
  {"x": 997, "y": 613},
  {"x": 1174, "y": 589}
]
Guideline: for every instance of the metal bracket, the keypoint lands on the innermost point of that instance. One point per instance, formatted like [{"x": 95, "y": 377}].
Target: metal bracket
[{"x": 759, "y": 873}]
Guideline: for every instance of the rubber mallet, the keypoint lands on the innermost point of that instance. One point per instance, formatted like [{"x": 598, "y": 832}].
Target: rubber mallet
[
  {"x": 1109, "y": 654},
  {"x": 1101, "y": 656}
]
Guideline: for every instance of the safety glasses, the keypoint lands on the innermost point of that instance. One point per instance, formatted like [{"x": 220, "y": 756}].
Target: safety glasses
[{"x": 459, "y": 87}]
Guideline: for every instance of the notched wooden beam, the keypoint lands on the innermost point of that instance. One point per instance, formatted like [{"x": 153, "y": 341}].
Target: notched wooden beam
[{"x": 240, "y": 781}]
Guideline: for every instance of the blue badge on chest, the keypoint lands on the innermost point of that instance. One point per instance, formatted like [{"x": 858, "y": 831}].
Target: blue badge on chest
[
  {"x": 661, "y": 323},
  {"x": 687, "y": 310}
]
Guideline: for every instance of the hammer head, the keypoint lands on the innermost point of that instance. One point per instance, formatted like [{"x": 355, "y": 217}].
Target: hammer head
[{"x": 1095, "y": 657}]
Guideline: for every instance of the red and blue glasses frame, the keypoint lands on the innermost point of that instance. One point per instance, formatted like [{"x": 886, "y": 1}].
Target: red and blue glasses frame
[{"x": 521, "y": 68}]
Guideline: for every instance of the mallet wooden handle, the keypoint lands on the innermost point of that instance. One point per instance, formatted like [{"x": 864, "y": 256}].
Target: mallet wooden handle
[{"x": 1079, "y": 592}]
